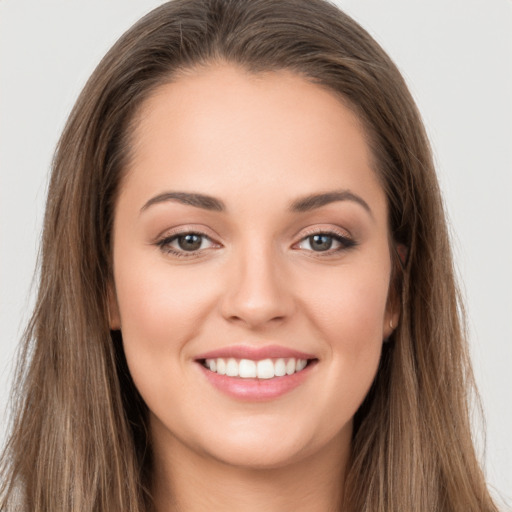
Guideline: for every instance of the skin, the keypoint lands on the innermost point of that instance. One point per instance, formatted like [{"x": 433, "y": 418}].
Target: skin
[{"x": 258, "y": 143}]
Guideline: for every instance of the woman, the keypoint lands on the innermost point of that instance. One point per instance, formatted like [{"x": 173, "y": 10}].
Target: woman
[{"x": 247, "y": 298}]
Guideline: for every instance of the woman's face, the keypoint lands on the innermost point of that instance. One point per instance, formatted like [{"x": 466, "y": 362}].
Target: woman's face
[{"x": 250, "y": 239}]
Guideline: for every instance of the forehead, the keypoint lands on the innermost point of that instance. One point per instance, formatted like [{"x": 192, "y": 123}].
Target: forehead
[{"x": 221, "y": 124}]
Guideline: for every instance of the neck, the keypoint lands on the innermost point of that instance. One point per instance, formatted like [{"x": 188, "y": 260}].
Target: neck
[{"x": 186, "y": 481}]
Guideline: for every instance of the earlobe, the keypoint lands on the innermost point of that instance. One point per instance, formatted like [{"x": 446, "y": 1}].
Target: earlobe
[
  {"x": 114, "y": 319},
  {"x": 392, "y": 316},
  {"x": 390, "y": 324}
]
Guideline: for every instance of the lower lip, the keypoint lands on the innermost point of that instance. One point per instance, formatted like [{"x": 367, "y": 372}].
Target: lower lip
[{"x": 257, "y": 389}]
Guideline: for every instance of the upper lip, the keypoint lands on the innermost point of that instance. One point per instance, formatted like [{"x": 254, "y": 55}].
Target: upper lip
[{"x": 255, "y": 353}]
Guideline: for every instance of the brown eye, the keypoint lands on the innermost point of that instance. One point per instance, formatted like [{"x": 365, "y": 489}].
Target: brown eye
[
  {"x": 190, "y": 242},
  {"x": 185, "y": 244}
]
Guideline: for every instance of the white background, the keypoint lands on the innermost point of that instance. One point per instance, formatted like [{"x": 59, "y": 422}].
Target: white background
[{"x": 456, "y": 56}]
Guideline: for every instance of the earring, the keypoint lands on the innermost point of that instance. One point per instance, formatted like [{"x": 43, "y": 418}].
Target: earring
[{"x": 391, "y": 324}]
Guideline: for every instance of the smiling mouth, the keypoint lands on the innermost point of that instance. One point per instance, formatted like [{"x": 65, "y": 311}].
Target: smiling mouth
[{"x": 260, "y": 369}]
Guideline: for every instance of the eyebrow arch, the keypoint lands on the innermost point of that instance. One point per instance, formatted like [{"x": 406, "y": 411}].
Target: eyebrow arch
[
  {"x": 303, "y": 204},
  {"x": 310, "y": 202},
  {"x": 188, "y": 198}
]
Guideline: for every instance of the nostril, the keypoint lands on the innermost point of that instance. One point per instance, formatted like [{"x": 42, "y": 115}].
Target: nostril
[{"x": 257, "y": 295}]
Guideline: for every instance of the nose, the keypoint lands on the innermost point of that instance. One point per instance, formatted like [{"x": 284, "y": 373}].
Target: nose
[{"x": 258, "y": 292}]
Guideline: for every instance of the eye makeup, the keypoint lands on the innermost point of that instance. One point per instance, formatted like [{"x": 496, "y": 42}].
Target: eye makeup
[
  {"x": 193, "y": 243},
  {"x": 322, "y": 240},
  {"x": 186, "y": 244}
]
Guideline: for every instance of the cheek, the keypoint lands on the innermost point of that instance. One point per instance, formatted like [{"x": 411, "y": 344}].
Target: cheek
[
  {"x": 349, "y": 306},
  {"x": 349, "y": 318},
  {"x": 160, "y": 308}
]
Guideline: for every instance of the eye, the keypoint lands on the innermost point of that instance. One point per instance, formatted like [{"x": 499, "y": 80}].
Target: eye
[
  {"x": 183, "y": 243},
  {"x": 326, "y": 242}
]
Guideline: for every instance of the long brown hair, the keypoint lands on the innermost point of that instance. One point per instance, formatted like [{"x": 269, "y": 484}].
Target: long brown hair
[{"x": 79, "y": 440}]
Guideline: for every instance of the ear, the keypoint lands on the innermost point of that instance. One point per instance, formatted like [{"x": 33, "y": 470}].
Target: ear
[
  {"x": 393, "y": 307},
  {"x": 391, "y": 319},
  {"x": 114, "y": 319}
]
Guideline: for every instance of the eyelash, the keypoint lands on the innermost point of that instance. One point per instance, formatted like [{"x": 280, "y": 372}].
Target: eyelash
[
  {"x": 345, "y": 242},
  {"x": 165, "y": 244}
]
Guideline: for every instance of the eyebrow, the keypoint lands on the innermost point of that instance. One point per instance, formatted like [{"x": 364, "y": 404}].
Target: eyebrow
[
  {"x": 300, "y": 205},
  {"x": 198, "y": 200},
  {"x": 313, "y": 201}
]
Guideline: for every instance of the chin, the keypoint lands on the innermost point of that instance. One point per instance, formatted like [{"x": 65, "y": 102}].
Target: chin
[
  {"x": 261, "y": 445},
  {"x": 259, "y": 456}
]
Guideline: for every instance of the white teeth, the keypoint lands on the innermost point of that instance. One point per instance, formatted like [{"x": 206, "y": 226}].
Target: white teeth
[
  {"x": 249, "y": 369},
  {"x": 280, "y": 368},
  {"x": 232, "y": 368},
  {"x": 265, "y": 369},
  {"x": 301, "y": 364},
  {"x": 221, "y": 366}
]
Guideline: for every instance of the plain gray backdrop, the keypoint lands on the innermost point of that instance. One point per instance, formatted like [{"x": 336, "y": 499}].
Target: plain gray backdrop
[{"x": 456, "y": 56}]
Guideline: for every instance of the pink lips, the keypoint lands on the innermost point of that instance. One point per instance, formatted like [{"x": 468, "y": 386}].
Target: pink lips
[{"x": 256, "y": 389}]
